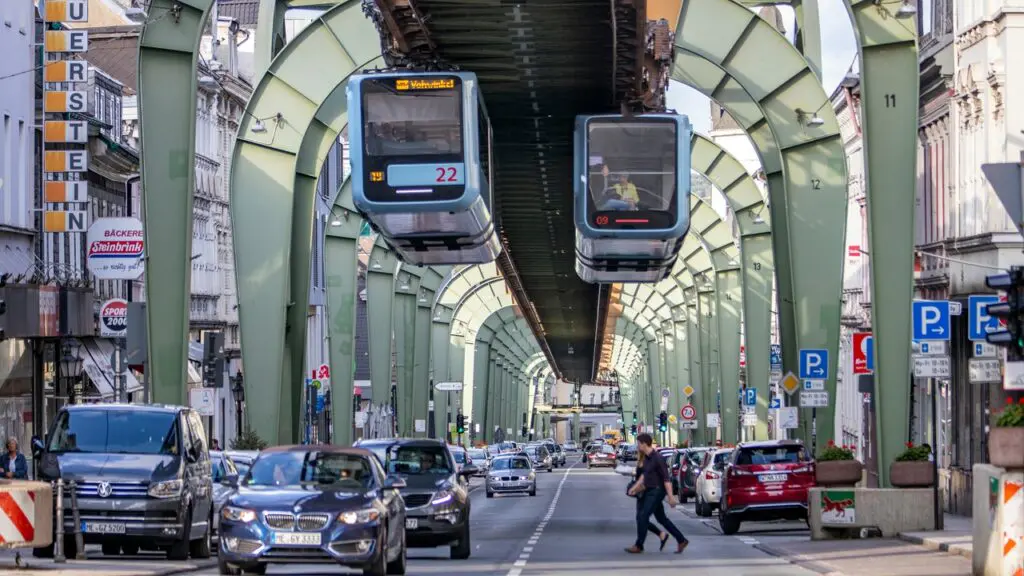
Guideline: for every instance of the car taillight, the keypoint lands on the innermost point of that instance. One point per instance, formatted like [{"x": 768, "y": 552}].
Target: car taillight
[
  {"x": 709, "y": 475},
  {"x": 802, "y": 469}
]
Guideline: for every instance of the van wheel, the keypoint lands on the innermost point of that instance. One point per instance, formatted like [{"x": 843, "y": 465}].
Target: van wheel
[
  {"x": 111, "y": 548},
  {"x": 130, "y": 549},
  {"x": 398, "y": 565},
  {"x": 179, "y": 550}
]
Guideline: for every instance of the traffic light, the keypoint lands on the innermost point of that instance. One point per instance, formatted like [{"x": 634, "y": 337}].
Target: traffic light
[
  {"x": 1011, "y": 312},
  {"x": 663, "y": 421},
  {"x": 634, "y": 419},
  {"x": 213, "y": 359},
  {"x": 460, "y": 424},
  {"x": 632, "y": 429}
]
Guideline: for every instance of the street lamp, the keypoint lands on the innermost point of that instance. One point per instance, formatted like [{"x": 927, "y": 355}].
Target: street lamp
[
  {"x": 70, "y": 367},
  {"x": 238, "y": 392}
]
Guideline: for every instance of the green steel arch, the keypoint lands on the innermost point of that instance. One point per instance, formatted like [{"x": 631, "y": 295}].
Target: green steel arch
[
  {"x": 721, "y": 47},
  {"x": 167, "y": 81},
  {"x": 498, "y": 403}
]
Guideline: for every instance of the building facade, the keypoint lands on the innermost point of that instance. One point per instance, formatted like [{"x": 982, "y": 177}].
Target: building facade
[{"x": 17, "y": 202}]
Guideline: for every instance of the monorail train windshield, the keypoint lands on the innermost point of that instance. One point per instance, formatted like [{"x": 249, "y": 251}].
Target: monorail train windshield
[
  {"x": 632, "y": 173},
  {"x": 413, "y": 138}
]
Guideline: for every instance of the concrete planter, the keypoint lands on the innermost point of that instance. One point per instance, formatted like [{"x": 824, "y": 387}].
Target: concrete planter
[
  {"x": 911, "y": 474},
  {"x": 1006, "y": 447},
  {"x": 838, "y": 472}
]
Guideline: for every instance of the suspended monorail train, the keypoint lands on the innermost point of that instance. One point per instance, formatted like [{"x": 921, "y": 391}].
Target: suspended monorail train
[
  {"x": 421, "y": 155},
  {"x": 632, "y": 195}
]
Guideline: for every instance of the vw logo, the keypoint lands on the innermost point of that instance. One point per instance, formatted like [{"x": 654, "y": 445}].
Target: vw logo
[{"x": 104, "y": 489}]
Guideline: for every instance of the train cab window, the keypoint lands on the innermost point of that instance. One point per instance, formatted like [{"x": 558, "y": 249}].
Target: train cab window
[
  {"x": 632, "y": 165},
  {"x": 411, "y": 119}
]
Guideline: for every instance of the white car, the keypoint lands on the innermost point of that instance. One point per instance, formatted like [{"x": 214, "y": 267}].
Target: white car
[{"x": 709, "y": 481}]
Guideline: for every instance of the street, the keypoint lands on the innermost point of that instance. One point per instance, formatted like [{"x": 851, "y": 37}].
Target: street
[{"x": 579, "y": 523}]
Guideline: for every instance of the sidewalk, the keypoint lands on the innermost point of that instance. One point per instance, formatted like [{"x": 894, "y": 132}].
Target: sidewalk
[
  {"x": 142, "y": 565},
  {"x": 869, "y": 557},
  {"x": 957, "y": 538}
]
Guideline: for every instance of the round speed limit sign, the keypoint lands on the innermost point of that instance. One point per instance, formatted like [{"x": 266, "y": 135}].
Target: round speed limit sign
[{"x": 688, "y": 412}]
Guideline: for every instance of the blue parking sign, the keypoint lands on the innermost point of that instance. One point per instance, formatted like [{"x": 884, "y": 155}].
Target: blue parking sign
[
  {"x": 814, "y": 364},
  {"x": 979, "y": 322}
]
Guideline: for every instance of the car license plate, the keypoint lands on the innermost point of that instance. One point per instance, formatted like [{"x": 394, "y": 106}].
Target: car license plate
[
  {"x": 412, "y": 523},
  {"x": 772, "y": 477},
  {"x": 103, "y": 527},
  {"x": 297, "y": 538}
]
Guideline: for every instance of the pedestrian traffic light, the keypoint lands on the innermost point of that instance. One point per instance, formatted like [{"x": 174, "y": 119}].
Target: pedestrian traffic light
[
  {"x": 632, "y": 429},
  {"x": 460, "y": 424},
  {"x": 1010, "y": 313},
  {"x": 634, "y": 418},
  {"x": 663, "y": 421}
]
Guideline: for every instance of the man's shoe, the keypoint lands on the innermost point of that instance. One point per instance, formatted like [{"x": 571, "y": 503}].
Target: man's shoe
[
  {"x": 635, "y": 550},
  {"x": 682, "y": 546}
]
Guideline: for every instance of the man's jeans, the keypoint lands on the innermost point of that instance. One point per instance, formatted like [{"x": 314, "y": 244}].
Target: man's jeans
[{"x": 652, "y": 502}]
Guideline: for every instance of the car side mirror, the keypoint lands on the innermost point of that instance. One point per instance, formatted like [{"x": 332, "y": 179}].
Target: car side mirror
[
  {"x": 193, "y": 455},
  {"x": 37, "y": 446},
  {"x": 394, "y": 483},
  {"x": 469, "y": 469},
  {"x": 231, "y": 481}
]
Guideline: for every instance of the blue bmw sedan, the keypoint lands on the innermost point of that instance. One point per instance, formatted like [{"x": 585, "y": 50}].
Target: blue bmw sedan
[{"x": 314, "y": 504}]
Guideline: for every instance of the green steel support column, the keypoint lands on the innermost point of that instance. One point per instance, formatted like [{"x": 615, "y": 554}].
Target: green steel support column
[
  {"x": 682, "y": 354},
  {"x": 695, "y": 356},
  {"x": 340, "y": 263},
  {"x": 890, "y": 93},
  {"x": 508, "y": 407},
  {"x": 457, "y": 369},
  {"x": 481, "y": 366},
  {"x": 439, "y": 343},
  {"x": 808, "y": 33},
  {"x": 270, "y": 35},
  {"x": 168, "y": 50},
  {"x": 671, "y": 376},
  {"x": 493, "y": 396},
  {"x": 576, "y": 428},
  {"x": 270, "y": 173},
  {"x": 758, "y": 266},
  {"x": 405, "y": 293},
  {"x": 380, "y": 298},
  {"x": 708, "y": 353},
  {"x": 727, "y": 304},
  {"x": 421, "y": 359},
  {"x": 720, "y": 50}
]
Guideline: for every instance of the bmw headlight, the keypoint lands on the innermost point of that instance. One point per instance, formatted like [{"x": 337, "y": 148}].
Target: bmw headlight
[
  {"x": 443, "y": 497},
  {"x": 235, "y": 514},
  {"x": 359, "y": 517},
  {"x": 166, "y": 489}
]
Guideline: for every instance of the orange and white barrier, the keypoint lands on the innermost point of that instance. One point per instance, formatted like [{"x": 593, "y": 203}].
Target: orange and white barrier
[
  {"x": 26, "y": 514},
  {"x": 1011, "y": 504}
]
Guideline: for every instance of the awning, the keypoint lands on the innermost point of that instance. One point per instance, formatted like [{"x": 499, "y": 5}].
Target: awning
[
  {"x": 96, "y": 354},
  {"x": 194, "y": 377}
]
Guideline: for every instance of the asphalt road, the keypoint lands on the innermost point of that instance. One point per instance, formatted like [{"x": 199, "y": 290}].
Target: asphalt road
[{"x": 577, "y": 525}]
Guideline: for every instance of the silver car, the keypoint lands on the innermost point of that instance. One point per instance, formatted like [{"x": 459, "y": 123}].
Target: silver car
[
  {"x": 511, "y": 473},
  {"x": 225, "y": 481}
]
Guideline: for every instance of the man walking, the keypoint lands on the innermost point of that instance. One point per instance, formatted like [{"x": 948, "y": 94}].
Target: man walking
[{"x": 655, "y": 484}]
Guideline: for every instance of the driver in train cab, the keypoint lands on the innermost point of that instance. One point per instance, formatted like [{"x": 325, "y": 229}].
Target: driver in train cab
[{"x": 622, "y": 194}]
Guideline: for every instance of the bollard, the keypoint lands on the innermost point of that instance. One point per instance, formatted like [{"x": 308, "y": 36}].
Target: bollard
[
  {"x": 58, "y": 539},
  {"x": 79, "y": 543}
]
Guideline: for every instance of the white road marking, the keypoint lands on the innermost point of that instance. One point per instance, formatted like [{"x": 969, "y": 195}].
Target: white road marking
[
  {"x": 747, "y": 540},
  {"x": 518, "y": 566}
]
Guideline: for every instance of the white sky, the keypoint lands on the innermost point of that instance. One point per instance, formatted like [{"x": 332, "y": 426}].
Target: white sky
[{"x": 838, "y": 50}]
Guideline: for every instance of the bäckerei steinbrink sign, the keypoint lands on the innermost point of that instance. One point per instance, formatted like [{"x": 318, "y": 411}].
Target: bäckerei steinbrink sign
[{"x": 115, "y": 248}]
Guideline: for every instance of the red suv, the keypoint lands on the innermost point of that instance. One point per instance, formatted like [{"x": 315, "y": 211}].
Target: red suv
[{"x": 765, "y": 481}]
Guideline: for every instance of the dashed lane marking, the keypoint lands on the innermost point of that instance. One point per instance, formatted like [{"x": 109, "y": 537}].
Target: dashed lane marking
[
  {"x": 747, "y": 540},
  {"x": 524, "y": 555}
]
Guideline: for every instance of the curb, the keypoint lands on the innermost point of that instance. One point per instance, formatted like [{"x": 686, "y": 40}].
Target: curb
[
  {"x": 953, "y": 549},
  {"x": 801, "y": 561}
]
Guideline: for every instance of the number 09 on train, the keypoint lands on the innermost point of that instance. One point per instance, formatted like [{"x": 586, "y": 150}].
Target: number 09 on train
[{"x": 421, "y": 164}]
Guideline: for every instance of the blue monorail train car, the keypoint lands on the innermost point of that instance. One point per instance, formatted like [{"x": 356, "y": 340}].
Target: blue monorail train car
[
  {"x": 421, "y": 156},
  {"x": 632, "y": 188}
]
